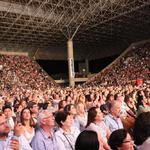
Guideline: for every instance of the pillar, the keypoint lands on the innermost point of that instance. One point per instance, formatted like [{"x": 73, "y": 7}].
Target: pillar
[
  {"x": 87, "y": 66},
  {"x": 71, "y": 63}
]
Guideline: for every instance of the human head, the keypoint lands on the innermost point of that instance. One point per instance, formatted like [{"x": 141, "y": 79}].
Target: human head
[
  {"x": 45, "y": 118},
  {"x": 120, "y": 98},
  {"x": 128, "y": 99},
  {"x": 82, "y": 98},
  {"x": 94, "y": 114},
  {"x": 46, "y": 105},
  {"x": 80, "y": 108},
  {"x": 105, "y": 108},
  {"x": 110, "y": 97},
  {"x": 23, "y": 102},
  {"x": 87, "y": 140},
  {"x": 61, "y": 104},
  {"x": 115, "y": 108},
  {"x": 88, "y": 101},
  {"x": 62, "y": 117},
  {"x": 120, "y": 140},
  {"x": 141, "y": 130},
  {"x": 70, "y": 108},
  {"x": 4, "y": 127},
  {"x": 7, "y": 109},
  {"x": 26, "y": 115},
  {"x": 33, "y": 107},
  {"x": 18, "y": 108}
]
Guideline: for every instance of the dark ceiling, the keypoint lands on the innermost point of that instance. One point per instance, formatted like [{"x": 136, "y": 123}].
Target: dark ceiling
[{"x": 89, "y": 23}]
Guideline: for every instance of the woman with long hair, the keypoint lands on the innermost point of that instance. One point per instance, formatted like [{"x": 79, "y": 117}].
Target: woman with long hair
[
  {"x": 28, "y": 124},
  {"x": 95, "y": 123},
  {"x": 81, "y": 115}
]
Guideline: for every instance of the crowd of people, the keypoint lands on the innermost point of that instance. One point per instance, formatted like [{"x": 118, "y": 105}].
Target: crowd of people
[
  {"x": 58, "y": 124},
  {"x": 35, "y": 114},
  {"x": 23, "y": 72},
  {"x": 133, "y": 65}
]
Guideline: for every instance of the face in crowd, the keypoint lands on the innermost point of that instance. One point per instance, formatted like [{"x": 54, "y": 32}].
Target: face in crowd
[{"x": 4, "y": 127}]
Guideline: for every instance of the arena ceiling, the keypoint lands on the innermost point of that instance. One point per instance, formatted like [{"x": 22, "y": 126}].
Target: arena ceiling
[{"x": 91, "y": 24}]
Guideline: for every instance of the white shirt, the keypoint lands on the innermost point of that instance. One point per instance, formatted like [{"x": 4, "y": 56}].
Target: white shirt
[
  {"x": 66, "y": 141},
  {"x": 29, "y": 135}
]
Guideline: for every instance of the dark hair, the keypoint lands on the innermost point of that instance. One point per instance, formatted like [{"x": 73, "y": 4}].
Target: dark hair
[
  {"x": 16, "y": 106},
  {"x": 60, "y": 117},
  {"x": 45, "y": 105},
  {"x": 108, "y": 97},
  {"x": 141, "y": 129},
  {"x": 116, "y": 96},
  {"x": 127, "y": 97},
  {"x": 32, "y": 124},
  {"x": 139, "y": 101},
  {"x": 105, "y": 108},
  {"x": 91, "y": 115},
  {"x": 67, "y": 108},
  {"x": 16, "y": 101},
  {"x": 31, "y": 104},
  {"x": 60, "y": 104},
  {"x": 6, "y": 107},
  {"x": 87, "y": 140},
  {"x": 40, "y": 105},
  {"x": 116, "y": 138},
  {"x": 88, "y": 98}
]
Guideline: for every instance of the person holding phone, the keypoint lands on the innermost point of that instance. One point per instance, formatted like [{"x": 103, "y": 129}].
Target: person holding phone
[{"x": 11, "y": 140}]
